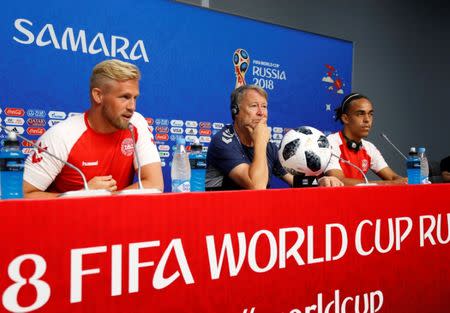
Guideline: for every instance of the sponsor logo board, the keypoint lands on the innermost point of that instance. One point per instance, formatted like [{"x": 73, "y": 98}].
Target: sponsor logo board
[
  {"x": 278, "y": 130},
  {"x": 14, "y": 121},
  {"x": 163, "y": 122},
  {"x": 191, "y": 124},
  {"x": 218, "y": 125},
  {"x": 36, "y": 113},
  {"x": 60, "y": 115},
  {"x": 162, "y": 129},
  {"x": 205, "y": 139},
  {"x": 14, "y": 112},
  {"x": 176, "y": 130},
  {"x": 205, "y": 125},
  {"x": 163, "y": 147},
  {"x": 162, "y": 137},
  {"x": 176, "y": 123},
  {"x": 205, "y": 132},
  {"x": 35, "y": 131},
  {"x": 191, "y": 131},
  {"x": 53, "y": 122},
  {"x": 33, "y": 121},
  {"x": 17, "y": 129},
  {"x": 191, "y": 138}
]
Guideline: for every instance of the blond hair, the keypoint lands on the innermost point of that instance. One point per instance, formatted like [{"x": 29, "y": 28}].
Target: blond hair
[{"x": 113, "y": 70}]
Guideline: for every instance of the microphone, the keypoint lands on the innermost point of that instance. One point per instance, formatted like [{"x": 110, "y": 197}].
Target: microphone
[
  {"x": 131, "y": 128},
  {"x": 85, "y": 192},
  {"x": 366, "y": 181},
  {"x": 395, "y": 147},
  {"x": 140, "y": 190}
]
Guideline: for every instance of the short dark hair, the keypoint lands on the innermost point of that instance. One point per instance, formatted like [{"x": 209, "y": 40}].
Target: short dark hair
[{"x": 345, "y": 104}]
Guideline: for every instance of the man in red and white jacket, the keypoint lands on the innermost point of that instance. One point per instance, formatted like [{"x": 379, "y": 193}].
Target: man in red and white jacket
[
  {"x": 98, "y": 142},
  {"x": 356, "y": 114}
]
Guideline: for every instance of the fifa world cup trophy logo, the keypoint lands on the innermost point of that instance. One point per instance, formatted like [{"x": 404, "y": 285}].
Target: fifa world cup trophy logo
[{"x": 241, "y": 61}]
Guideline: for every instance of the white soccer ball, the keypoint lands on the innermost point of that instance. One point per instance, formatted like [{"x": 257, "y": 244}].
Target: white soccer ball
[{"x": 305, "y": 150}]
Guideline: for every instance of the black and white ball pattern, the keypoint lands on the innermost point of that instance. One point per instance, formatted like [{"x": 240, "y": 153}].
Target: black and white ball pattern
[{"x": 304, "y": 150}]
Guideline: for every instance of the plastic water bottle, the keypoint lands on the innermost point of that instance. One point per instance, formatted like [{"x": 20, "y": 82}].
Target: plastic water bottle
[
  {"x": 197, "y": 159},
  {"x": 181, "y": 170},
  {"x": 424, "y": 168},
  {"x": 413, "y": 167},
  {"x": 12, "y": 162}
]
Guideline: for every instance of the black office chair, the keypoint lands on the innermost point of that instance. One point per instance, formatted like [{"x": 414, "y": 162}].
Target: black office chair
[{"x": 435, "y": 172}]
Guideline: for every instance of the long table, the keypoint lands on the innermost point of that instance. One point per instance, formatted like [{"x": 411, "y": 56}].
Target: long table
[{"x": 378, "y": 249}]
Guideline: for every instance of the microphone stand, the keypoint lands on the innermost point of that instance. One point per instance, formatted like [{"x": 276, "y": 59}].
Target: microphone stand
[
  {"x": 366, "y": 181},
  {"x": 140, "y": 190},
  {"x": 85, "y": 192},
  {"x": 394, "y": 146}
]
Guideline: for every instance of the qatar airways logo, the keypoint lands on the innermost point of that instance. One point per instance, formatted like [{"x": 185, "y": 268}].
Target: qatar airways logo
[
  {"x": 36, "y": 121},
  {"x": 78, "y": 41}
]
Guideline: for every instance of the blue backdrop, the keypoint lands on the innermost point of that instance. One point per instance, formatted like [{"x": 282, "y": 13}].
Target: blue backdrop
[{"x": 185, "y": 54}]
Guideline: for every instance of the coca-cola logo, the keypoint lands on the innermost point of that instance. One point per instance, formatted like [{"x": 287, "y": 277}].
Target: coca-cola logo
[
  {"x": 162, "y": 137},
  {"x": 205, "y": 132},
  {"x": 36, "y": 122},
  {"x": 14, "y": 112},
  {"x": 35, "y": 131},
  {"x": 149, "y": 120}
]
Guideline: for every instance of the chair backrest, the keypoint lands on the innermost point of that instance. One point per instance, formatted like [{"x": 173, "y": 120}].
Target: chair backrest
[{"x": 435, "y": 171}]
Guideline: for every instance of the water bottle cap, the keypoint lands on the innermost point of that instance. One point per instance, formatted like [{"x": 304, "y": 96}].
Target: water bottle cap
[
  {"x": 12, "y": 136},
  {"x": 421, "y": 150},
  {"x": 11, "y": 141},
  {"x": 181, "y": 141},
  {"x": 196, "y": 146}
]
